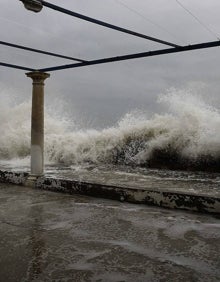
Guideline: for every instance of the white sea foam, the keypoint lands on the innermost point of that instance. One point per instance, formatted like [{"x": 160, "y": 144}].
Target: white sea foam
[{"x": 190, "y": 128}]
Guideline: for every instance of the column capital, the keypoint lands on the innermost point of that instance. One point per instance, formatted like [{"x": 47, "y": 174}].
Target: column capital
[{"x": 37, "y": 76}]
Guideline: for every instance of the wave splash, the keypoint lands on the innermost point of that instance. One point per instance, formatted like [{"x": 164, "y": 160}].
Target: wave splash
[{"x": 187, "y": 136}]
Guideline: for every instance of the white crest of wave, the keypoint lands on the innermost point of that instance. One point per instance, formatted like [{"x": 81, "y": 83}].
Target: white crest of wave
[
  {"x": 190, "y": 128},
  {"x": 194, "y": 126},
  {"x": 15, "y": 128}
]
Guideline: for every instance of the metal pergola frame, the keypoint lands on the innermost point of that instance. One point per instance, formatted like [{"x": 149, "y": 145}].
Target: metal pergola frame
[
  {"x": 40, "y": 75},
  {"x": 81, "y": 62}
]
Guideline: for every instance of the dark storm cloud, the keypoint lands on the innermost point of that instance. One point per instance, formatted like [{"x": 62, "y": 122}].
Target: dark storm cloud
[{"x": 109, "y": 91}]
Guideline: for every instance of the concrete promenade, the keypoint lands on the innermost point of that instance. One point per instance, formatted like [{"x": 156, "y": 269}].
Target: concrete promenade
[
  {"x": 162, "y": 193},
  {"x": 47, "y": 236}
]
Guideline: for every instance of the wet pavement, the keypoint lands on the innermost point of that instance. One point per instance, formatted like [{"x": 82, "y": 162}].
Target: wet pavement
[
  {"x": 46, "y": 236},
  {"x": 193, "y": 183}
]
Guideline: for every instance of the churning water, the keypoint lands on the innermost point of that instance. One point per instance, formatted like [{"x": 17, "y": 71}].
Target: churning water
[
  {"x": 138, "y": 150},
  {"x": 186, "y": 137}
]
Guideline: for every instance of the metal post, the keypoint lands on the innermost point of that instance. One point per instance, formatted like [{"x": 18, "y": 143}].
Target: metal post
[{"x": 37, "y": 122}]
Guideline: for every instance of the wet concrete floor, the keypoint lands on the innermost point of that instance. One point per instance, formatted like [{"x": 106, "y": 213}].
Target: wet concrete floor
[{"x": 46, "y": 236}]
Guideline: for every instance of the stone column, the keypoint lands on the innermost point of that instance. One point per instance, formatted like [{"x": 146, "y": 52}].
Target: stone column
[{"x": 37, "y": 122}]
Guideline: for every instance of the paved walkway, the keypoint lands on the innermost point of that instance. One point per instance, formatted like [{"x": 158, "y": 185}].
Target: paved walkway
[{"x": 46, "y": 236}]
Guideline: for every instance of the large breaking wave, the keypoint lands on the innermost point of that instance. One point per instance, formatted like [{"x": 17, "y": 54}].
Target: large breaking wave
[{"x": 186, "y": 137}]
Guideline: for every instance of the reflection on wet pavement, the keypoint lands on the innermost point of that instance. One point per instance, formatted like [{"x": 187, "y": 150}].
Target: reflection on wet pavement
[{"x": 47, "y": 236}]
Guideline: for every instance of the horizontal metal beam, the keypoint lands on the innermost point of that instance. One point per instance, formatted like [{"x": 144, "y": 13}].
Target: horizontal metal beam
[
  {"x": 136, "y": 56},
  {"x": 16, "y": 67},
  {"x": 120, "y": 58},
  {"x": 111, "y": 26},
  {"x": 39, "y": 51}
]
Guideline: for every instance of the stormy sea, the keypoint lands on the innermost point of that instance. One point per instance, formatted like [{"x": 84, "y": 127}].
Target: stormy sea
[{"x": 178, "y": 147}]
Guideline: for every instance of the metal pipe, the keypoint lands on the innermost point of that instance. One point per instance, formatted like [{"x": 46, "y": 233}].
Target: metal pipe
[
  {"x": 111, "y": 26},
  {"x": 39, "y": 51},
  {"x": 137, "y": 55},
  {"x": 15, "y": 67}
]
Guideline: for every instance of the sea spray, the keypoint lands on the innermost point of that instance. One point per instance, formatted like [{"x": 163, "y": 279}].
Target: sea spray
[
  {"x": 197, "y": 124},
  {"x": 15, "y": 130},
  {"x": 186, "y": 136},
  {"x": 15, "y": 126}
]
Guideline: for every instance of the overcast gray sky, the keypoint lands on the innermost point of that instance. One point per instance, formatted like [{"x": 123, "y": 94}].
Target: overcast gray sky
[{"x": 102, "y": 94}]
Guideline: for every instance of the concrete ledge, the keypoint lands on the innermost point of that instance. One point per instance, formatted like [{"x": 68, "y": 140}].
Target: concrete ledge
[
  {"x": 154, "y": 196},
  {"x": 18, "y": 178}
]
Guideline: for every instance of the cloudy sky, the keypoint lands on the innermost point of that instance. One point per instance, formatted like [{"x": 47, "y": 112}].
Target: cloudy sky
[{"x": 100, "y": 95}]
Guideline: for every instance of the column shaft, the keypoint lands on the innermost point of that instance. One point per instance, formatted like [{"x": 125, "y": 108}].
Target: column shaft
[{"x": 37, "y": 122}]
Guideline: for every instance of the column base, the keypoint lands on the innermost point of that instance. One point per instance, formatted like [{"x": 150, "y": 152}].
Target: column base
[{"x": 31, "y": 180}]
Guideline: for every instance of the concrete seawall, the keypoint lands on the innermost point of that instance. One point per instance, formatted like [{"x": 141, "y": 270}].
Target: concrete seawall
[{"x": 200, "y": 202}]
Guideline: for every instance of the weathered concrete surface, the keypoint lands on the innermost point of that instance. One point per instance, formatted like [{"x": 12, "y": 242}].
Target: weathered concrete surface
[
  {"x": 152, "y": 196},
  {"x": 48, "y": 237},
  {"x": 13, "y": 177},
  {"x": 162, "y": 197}
]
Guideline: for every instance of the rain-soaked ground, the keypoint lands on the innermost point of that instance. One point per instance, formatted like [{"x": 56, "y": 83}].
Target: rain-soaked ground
[{"x": 46, "y": 236}]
